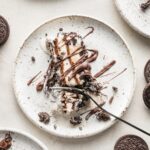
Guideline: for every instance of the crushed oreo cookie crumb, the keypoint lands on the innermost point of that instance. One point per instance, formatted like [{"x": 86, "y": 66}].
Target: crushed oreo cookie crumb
[
  {"x": 44, "y": 117},
  {"x": 39, "y": 87},
  {"x": 6, "y": 143},
  {"x": 102, "y": 116},
  {"x": 76, "y": 120}
]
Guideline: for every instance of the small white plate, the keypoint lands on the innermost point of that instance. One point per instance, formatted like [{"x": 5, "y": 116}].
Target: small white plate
[
  {"x": 131, "y": 12},
  {"x": 110, "y": 47},
  {"x": 22, "y": 141}
]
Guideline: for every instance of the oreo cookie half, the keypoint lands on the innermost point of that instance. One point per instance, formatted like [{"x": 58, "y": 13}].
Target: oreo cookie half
[
  {"x": 131, "y": 142},
  {"x": 4, "y": 30},
  {"x": 146, "y": 95},
  {"x": 147, "y": 71}
]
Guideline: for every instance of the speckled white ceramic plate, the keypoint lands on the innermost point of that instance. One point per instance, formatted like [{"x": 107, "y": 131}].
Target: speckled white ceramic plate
[
  {"x": 130, "y": 10},
  {"x": 22, "y": 141},
  {"x": 110, "y": 46}
]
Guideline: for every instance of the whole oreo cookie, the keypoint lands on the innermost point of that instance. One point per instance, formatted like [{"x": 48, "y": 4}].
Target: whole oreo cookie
[
  {"x": 147, "y": 71},
  {"x": 131, "y": 142},
  {"x": 146, "y": 95},
  {"x": 4, "y": 30}
]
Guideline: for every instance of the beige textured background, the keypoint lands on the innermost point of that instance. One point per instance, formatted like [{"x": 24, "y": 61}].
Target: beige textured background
[{"x": 26, "y": 15}]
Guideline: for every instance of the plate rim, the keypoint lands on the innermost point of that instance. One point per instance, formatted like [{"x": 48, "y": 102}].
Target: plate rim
[
  {"x": 125, "y": 18},
  {"x": 85, "y": 135},
  {"x": 27, "y": 135}
]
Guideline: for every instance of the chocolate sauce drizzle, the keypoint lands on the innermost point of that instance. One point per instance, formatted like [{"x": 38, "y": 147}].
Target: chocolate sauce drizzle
[
  {"x": 79, "y": 72},
  {"x": 71, "y": 62},
  {"x": 145, "y": 6},
  {"x": 90, "y": 32},
  {"x": 32, "y": 79},
  {"x": 116, "y": 75},
  {"x": 106, "y": 68}
]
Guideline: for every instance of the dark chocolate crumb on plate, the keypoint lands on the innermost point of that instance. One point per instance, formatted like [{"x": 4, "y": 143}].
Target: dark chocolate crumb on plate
[
  {"x": 147, "y": 71},
  {"x": 131, "y": 142},
  {"x": 44, "y": 117},
  {"x": 146, "y": 95},
  {"x": 33, "y": 59},
  {"x": 4, "y": 30},
  {"x": 60, "y": 29},
  {"x": 115, "y": 89}
]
